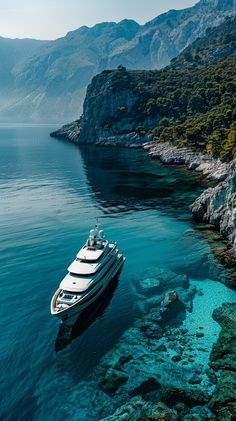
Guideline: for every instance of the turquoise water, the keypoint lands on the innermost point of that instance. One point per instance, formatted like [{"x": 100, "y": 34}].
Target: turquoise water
[{"x": 51, "y": 195}]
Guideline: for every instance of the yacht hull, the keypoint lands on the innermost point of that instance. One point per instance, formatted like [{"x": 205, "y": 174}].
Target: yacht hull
[{"x": 69, "y": 315}]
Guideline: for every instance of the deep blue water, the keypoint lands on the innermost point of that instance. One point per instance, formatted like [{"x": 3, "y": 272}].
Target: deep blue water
[{"x": 51, "y": 194}]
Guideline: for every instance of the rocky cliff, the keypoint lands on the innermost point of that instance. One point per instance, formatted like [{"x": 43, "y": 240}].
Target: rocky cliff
[
  {"x": 218, "y": 206},
  {"x": 109, "y": 114},
  {"x": 191, "y": 102},
  {"x": 189, "y": 110},
  {"x": 54, "y": 78}
]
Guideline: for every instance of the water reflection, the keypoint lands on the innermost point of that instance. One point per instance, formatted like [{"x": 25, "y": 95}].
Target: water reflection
[
  {"x": 118, "y": 188},
  {"x": 67, "y": 334}
]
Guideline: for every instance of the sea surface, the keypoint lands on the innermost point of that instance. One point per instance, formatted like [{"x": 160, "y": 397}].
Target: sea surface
[{"x": 51, "y": 195}]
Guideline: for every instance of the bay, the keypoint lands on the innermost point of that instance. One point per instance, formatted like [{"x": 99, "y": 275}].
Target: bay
[{"x": 51, "y": 194}]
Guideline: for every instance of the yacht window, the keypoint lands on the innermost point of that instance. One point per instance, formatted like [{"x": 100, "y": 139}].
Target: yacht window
[
  {"x": 76, "y": 275},
  {"x": 69, "y": 293}
]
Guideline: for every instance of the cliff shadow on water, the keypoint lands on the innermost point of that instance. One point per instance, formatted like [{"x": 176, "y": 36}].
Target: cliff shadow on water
[{"x": 125, "y": 180}]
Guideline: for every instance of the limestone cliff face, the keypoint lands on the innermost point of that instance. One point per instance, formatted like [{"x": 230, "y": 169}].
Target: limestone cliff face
[
  {"x": 109, "y": 114},
  {"x": 218, "y": 206},
  {"x": 107, "y": 109}
]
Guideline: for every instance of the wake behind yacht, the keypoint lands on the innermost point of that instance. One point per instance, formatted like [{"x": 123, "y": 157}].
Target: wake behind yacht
[{"x": 89, "y": 274}]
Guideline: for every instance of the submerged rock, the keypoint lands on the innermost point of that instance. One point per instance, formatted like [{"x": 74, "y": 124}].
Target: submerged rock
[
  {"x": 223, "y": 358},
  {"x": 113, "y": 379},
  {"x": 146, "y": 386},
  {"x": 161, "y": 281},
  {"x": 137, "y": 409},
  {"x": 190, "y": 397},
  {"x": 150, "y": 286},
  {"x": 223, "y": 355},
  {"x": 225, "y": 394}
]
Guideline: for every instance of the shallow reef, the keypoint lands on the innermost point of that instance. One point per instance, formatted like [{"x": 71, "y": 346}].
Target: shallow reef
[{"x": 159, "y": 368}]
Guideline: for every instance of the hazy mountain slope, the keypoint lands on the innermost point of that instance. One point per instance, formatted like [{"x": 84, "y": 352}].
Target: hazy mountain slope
[
  {"x": 51, "y": 85},
  {"x": 191, "y": 102},
  {"x": 165, "y": 37},
  {"x": 55, "y": 80},
  {"x": 13, "y": 52}
]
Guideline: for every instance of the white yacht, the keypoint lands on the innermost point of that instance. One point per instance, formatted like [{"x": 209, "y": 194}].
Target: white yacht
[{"x": 89, "y": 274}]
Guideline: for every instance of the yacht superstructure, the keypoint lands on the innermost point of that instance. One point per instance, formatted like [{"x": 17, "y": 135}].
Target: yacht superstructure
[{"x": 95, "y": 266}]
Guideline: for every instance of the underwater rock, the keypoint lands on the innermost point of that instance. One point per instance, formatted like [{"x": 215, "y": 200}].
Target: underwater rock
[
  {"x": 137, "y": 409},
  {"x": 172, "y": 308},
  {"x": 113, "y": 379},
  {"x": 195, "y": 379},
  {"x": 176, "y": 358},
  {"x": 199, "y": 335},
  {"x": 161, "y": 281},
  {"x": 223, "y": 354},
  {"x": 197, "y": 413},
  {"x": 172, "y": 395},
  {"x": 169, "y": 298},
  {"x": 150, "y": 286},
  {"x": 224, "y": 395},
  {"x": 223, "y": 358},
  {"x": 146, "y": 386}
]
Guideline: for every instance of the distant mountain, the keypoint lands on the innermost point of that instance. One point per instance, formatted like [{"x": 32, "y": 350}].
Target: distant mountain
[
  {"x": 190, "y": 102},
  {"x": 12, "y": 53},
  {"x": 51, "y": 84}
]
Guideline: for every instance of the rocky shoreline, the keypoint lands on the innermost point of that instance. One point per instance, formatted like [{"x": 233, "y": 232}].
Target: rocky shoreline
[
  {"x": 71, "y": 132},
  {"x": 159, "y": 369},
  {"x": 216, "y": 205},
  {"x": 168, "y": 154}
]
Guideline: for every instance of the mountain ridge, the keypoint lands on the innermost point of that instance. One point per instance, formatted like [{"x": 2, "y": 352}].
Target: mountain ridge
[
  {"x": 51, "y": 84},
  {"x": 190, "y": 102}
]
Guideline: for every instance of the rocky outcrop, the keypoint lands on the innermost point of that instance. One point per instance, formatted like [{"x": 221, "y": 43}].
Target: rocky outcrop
[
  {"x": 169, "y": 154},
  {"x": 223, "y": 361},
  {"x": 68, "y": 132},
  {"x": 218, "y": 205},
  {"x": 109, "y": 117}
]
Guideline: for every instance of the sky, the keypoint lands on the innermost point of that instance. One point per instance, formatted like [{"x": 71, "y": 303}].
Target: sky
[{"x": 51, "y": 19}]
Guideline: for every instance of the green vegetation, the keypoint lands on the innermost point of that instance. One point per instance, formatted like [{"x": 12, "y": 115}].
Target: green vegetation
[{"x": 192, "y": 101}]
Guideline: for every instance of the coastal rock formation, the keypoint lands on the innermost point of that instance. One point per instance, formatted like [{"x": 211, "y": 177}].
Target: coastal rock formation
[
  {"x": 70, "y": 132},
  {"x": 223, "y": 359},
  {"x": 169, "y": 154},
  {"x": 129, "y": 108},
  {"x": 109, "y": 117},
  {"x": 218, "y": 205}
]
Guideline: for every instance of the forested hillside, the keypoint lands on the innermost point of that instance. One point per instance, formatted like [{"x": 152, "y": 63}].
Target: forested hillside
[{"x": 192, "y": 101}]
